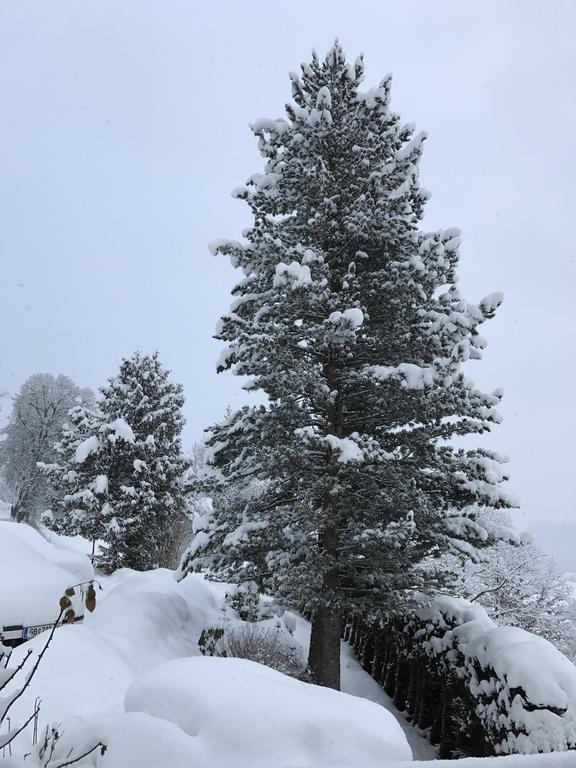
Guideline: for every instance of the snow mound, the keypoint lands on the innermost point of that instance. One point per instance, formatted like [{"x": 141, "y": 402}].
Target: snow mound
[
  {"x": 245, "y": 714},
  {"x": 77, "y": 544},
  {"x": 136, "y": 740},
  {"x": 78, "y": 565},
  {"x": 141, "y": 620},
  {"x": 132, "y": 740},
  {"x": 30, "y": 585}
]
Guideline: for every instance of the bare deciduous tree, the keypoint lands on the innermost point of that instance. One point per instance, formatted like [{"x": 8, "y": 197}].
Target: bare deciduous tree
[{"x": 38, "y": 412}]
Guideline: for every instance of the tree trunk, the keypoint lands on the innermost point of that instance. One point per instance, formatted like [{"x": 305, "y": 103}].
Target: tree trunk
[
  {"x": 324, "y": 656},
  {"x": 19, "y": 511},
  {"x": 328, "y": 621}
]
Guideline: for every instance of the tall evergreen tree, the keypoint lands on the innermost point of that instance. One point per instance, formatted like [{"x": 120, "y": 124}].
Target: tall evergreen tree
[
  {"x": 123, "y": 469},
  {"x": 349, "y": 319}
]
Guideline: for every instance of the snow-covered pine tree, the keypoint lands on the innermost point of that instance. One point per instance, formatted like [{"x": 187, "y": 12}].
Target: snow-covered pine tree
[
  {"x": 78, "y": 479},
  {"x": 145, "y": 499},
  {"x": 120, "y": 472},
  {"x": 349, "y": 319}
]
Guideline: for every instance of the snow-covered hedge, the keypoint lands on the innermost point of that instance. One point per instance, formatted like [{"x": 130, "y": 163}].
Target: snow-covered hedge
[{"x": 481, "y": 689}]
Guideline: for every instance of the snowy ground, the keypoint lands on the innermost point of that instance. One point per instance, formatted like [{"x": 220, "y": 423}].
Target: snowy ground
[
  {"x": 134, "y": 668},
  {"x": 132, "y": 677},
  {"x": 357, "y": 682}
]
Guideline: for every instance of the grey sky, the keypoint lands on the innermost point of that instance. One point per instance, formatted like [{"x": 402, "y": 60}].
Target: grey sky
[{"x": 124, "y": 129}]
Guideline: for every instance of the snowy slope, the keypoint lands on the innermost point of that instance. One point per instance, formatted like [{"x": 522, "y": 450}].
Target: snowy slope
[
  {"x": 141, "y": 643},
  {"x": 140, "y": 620},
  {"x": 357, "y": 682}
]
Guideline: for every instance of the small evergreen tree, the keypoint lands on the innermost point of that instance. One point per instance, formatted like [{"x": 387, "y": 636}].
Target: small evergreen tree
[
  {"x": 124, "y": 468},
  {"x": 78, "y": 479},
  {"x": 349, "y": 319},
  {"x": 146, "y": 501}
]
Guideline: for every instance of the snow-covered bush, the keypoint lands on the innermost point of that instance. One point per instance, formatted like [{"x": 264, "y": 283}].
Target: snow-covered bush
[
  {"x": 246, "y": 602},
  {"x": 521, "y": 587},
  {"x": 266, "y": 642},
  {"x": 481, "y": 689}
]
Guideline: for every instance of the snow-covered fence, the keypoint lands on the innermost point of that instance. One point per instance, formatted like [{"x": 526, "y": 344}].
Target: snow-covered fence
[{"x": 480, "y": 689}]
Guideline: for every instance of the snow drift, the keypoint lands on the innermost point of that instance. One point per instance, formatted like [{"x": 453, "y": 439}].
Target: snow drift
[
  {"x": 75, "y": 563},
  {"x": 31, "y": 585},
  {"x": 231, "y": 713},
  {"x": 132, "y": 678},
  {"x": 242, "y": 713}
]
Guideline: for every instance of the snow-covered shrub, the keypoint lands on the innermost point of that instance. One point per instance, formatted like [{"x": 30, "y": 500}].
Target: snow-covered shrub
[
  {"x": 271, "y": 646},
  {"x": 266, "y": 642},
  {"x": 481, "y": 689},
  {"x": 525, "y": 689},
  {"x": 517, "y": 584},
  {"x": 520, "y": 586}
]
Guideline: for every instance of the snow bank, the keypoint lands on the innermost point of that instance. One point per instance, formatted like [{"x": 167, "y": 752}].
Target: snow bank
[
  {"x": 552, "y": 760},
  {"x": 131, "y": 677},
  {"x": 77, "y": 544},
  {"x": 30, "y": 585},
  {"x": 245, "y": 714},
  {"x": 141, "y": 620},
  {"x": 76, "y": 564}
]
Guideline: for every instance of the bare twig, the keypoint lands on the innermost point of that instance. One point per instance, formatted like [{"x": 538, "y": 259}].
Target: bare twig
[
  {"x": 83, "y": 755},
  {"x": 19, "y": 730},
  {"x": 16, "y": 670},
  {"x": 36, "y": 665}
]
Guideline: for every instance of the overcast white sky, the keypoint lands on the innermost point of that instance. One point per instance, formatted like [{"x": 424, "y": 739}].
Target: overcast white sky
[{"x": 125, "y": 126}]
